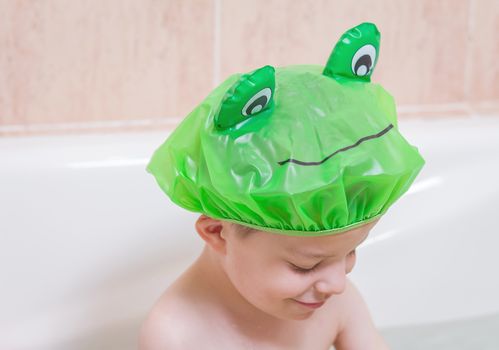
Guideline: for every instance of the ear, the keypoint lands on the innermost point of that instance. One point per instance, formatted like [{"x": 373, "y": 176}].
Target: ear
[
  {"x": 355, "y": 54},
  {"x": 213, "y": 232},
  {"x": 251, "y": 95}
]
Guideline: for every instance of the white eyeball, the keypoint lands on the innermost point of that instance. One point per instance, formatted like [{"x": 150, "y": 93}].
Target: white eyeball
[
  {"x": 363, "y": 60},
  {"x": 258, "y": 102}
]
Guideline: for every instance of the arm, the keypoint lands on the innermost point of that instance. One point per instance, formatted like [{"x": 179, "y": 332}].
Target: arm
[{"x": 357, "y": 330}]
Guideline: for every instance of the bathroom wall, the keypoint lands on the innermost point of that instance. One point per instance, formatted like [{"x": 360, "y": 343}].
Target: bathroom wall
[{"x": 114, "y": 65}]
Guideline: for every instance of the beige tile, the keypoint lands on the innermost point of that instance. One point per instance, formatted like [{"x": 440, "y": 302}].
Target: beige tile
[
  {"x": 484, "y": 52},
  {"x": 65, "y": 61},
  {"x": 423, "y": 43}
]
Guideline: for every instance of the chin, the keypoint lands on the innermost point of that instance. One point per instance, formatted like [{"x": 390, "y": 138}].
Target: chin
[
  {"x": 296, "y": 316},
  {"x": 304, "y": 316},
  {"x": 287, "y": 314}
]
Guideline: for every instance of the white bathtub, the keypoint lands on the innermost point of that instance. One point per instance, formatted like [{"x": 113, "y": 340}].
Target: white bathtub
[{"x": 89, "y": 241}]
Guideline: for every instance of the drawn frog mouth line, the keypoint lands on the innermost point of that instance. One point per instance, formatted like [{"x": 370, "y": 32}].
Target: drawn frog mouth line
[{"x": 365, "y": 138}]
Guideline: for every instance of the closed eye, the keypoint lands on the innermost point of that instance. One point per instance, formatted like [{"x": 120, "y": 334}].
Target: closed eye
[{"x": 304, "y": 270}]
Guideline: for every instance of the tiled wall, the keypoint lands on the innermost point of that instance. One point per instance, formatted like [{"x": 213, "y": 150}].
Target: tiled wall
[{"x": 77, "y": 66}]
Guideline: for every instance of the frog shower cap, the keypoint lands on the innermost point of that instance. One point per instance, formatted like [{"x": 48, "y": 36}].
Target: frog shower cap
[{"x": 301, "y": 150}]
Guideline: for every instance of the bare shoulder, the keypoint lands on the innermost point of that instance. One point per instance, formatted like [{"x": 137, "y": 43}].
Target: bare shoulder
[
  {"x": 357, "y": 330},
  {"x": 165, "y": 327},
  {"x": 156, "y": 331}
]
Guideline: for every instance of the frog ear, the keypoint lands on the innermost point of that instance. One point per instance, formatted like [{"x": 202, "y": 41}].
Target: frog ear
[
  {"x": 251, "y": 95},
  {"x": 355, "y": 54}
]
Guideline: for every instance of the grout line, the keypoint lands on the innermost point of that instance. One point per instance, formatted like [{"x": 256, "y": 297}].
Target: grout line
[
  {"x": 473, "y": 111},
  {"x": 216, "y": 42},
  {"x": 451, "y": 107},
  {"x": 108, "y": 124},
  {"x": 468, "y": 58}
]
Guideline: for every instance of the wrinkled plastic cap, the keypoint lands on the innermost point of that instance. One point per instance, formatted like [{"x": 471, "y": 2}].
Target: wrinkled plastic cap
[{"x": 298, "y": 150}]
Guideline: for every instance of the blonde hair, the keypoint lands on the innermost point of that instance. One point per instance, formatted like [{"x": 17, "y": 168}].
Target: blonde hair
[{"x": 241, "y": 230}]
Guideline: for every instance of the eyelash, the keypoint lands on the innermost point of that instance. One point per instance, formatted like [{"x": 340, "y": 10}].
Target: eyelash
[{"x": 304, "y": 271}]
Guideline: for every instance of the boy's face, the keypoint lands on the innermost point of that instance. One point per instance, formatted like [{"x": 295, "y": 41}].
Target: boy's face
[{"x": 273, "y": 272}]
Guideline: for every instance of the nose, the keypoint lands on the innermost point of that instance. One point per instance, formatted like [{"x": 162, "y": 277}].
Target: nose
[{"x": 333, "y": 279}]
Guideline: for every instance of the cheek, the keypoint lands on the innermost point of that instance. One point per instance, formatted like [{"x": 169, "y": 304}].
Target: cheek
[
  {"x": 247, "y": 273},
  {"x": 289, "y": 284},
  {"x": 265, "y": 280}
]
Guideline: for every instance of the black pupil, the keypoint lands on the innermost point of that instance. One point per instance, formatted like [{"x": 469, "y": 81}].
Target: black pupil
[
  {"x": 260, "y": 101},
  {"x": 363, "y": 61}
]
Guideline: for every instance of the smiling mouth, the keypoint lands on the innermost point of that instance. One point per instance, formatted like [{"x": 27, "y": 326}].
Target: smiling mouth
[
  {"x": 311, "y": 305},
  {"x": 365, "y": 138}
]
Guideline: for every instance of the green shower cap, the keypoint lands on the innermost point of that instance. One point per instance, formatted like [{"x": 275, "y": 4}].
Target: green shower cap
[{"x": 302, "y": 150}]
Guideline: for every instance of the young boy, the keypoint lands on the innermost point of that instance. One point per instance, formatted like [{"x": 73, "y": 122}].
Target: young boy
[
  {"x": 247, "y": 289},
  {"x": 291, "y": 168}
]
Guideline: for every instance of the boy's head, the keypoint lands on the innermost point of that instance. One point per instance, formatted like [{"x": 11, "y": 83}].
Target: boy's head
[{"x": 273, "y": 272}]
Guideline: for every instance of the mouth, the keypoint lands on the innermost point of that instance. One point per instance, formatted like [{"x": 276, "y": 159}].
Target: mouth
[
  {"x": 363, "y": 139},
  {"x": 311, "y": 305}
]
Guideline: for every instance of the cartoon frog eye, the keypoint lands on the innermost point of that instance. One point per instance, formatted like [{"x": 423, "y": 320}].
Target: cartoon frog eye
[
  {"x": 363, "y": 60},
  {"x": 258, "y": 102},
  {"x": 250, "y": 96},
  {"x": 354, "y": 56}
]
